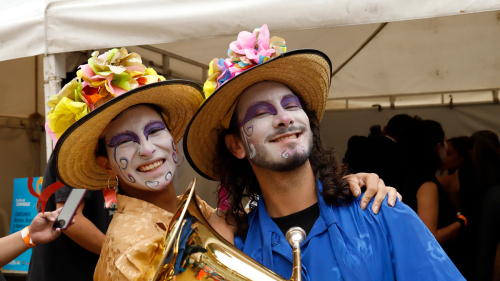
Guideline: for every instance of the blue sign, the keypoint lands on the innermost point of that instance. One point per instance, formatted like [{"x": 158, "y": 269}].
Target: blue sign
[{"x": 23, "y": 212}]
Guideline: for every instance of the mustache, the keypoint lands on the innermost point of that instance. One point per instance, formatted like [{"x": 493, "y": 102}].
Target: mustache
[{"x": 281, "y": 131}]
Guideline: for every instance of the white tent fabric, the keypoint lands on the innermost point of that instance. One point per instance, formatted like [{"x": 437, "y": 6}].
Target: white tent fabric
[{"x": 32, "y": 27}]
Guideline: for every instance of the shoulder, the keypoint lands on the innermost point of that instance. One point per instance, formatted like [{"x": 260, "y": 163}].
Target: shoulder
[
  {"x": 428, "y": 190},
  {"x": 205, "y": 209}
]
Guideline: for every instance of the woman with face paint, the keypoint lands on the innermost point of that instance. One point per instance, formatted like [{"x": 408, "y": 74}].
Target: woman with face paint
[{"x": 126, "y": 143}]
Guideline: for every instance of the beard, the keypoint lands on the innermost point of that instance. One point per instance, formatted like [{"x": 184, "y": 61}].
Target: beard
[{"x": 290, "y": 159}]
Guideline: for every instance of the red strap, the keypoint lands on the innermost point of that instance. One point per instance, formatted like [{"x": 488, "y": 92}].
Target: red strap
[
  {"x": 30, "y": 188},
  {"x": 109, "y": 196}
]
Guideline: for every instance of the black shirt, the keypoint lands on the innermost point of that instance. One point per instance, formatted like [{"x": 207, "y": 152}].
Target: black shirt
[
  {"x": 64, "y": 259},
  {"x": 304, "y": 219}
]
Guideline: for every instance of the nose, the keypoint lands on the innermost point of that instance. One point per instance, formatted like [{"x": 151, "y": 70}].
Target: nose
[
  {"x": 282, "y": 119},
  {"x": 147, "y": 149}
]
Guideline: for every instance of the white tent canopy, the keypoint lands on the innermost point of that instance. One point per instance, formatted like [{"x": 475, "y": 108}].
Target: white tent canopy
[{"x": 33, "y": 27}]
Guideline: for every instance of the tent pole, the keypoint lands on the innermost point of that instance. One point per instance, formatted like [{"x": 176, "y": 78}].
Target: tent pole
[{"x": 54, "y": 69}]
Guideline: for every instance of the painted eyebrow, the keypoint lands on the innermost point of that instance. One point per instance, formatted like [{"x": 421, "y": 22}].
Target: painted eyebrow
[
  {"x": 118, "y": 138},
  {"x": 254, "y": 108},
  {"x": 288, "y": 99},
  {"x": 153, "y": 125}
]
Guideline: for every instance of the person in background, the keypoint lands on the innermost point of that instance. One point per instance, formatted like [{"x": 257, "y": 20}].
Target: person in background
[
  {"x": 422, "y": 149},
  {"x": 488, "y": 235},
  {"x": 471, "y": 184},
  {"x": 457, "y": 157},
  {"x": 457, "y": 154},
  {"x": 75, "y": 254},
  {"x": 40, "y": 231},
  {"x": 376, "y": 153}
]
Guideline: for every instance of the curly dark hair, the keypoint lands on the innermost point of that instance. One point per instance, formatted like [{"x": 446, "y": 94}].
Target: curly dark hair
[{"x": 237, "y": 176}]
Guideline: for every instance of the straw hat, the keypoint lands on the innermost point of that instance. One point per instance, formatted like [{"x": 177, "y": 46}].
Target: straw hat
[
  {"x": 306, "y": 72},
  {"x": 106, "y": 86},
  {"x": 75, "y": 152}
]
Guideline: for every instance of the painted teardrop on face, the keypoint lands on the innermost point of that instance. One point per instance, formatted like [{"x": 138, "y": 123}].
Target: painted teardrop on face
[
  {"x": 168, "y": 176},
  {"x": 174, "y": 157},
  {"x": 152, "y": 184}
]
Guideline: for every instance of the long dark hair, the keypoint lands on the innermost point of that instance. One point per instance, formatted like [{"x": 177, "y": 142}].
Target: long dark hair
[
  {"x": 238, "y": 179},
  {"x": 418, "y": 156},
  {"x": 485, "y": 148},
  {"x": 417, "y": 147}
]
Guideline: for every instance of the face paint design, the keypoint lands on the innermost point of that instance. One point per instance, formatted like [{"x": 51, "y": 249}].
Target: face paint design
[
  {"x": 153, "y": 127},
  {"x": 290, "y": 101},
  {"x": 285, "y": 154},
  {"x": 143, "y": 150},
  {"x": 152, "y": 184},
  {"x": 168, "y": 176},
  {"x": 255, "y": 110},
  {"x": 116, "y": 141},
  {"x": 274, "y": 128},
  {"x": 174, "y": 154}
]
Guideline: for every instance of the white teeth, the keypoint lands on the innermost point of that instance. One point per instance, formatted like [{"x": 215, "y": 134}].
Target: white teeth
[
  {"x": 150, "y": 167},
  {"x": 289, "y": 137}
]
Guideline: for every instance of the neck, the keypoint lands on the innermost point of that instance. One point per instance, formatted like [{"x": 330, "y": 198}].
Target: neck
[
  {"x": 165, "y": 198},
  {"x": 289, "y": 192}
]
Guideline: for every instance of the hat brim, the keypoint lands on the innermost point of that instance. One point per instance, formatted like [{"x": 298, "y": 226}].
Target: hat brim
[
  {"x": 306, "y": 72},
  {"x": 75, "y": 152}
]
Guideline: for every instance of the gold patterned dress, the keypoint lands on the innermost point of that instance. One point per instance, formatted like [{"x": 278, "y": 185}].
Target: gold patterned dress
[{"x": 133, "y": 236}]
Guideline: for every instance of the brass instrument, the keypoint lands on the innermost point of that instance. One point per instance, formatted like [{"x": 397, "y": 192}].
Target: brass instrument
[{"x": 193, "y": 248}]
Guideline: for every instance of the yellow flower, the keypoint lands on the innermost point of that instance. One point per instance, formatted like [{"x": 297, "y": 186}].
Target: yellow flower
[
  {"x": 211, "y": 84},
  {"x": 65, "y": 114}
]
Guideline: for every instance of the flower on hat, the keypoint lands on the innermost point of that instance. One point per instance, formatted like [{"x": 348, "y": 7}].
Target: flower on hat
[
  {"x": 249, "y": 50},
  {"x": 65, "y": 114},
  {"x": 105, "y": 76}
]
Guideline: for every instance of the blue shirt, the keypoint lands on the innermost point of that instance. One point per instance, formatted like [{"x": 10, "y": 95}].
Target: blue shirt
[{"x": 347, "y": 243}]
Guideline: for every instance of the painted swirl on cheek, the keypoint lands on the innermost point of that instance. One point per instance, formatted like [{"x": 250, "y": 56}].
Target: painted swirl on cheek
[
  {"x": 173, "y": 146},
  {"x": 285, "y": 154},
  {"x": 174, "y": 157},
  {"x": 123, "y": 162}
]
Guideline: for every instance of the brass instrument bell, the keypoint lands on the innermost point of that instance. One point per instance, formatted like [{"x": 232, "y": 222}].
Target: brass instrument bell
[{"x": 193, "y": 250}]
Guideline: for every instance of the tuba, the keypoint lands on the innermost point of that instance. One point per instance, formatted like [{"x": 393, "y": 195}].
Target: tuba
[{"x": 193, "y": 250}]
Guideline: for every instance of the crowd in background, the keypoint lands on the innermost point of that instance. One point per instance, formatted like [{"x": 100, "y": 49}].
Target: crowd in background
[{"x": 452, "y": 184}]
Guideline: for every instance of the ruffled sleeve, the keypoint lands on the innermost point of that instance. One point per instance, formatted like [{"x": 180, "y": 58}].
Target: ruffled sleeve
[{"x": 416, "y": 255}]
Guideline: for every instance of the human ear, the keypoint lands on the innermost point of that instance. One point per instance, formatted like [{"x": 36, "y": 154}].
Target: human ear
[
  {"x": 234, "y": 145},
  {"x": 104, "y": 163}
]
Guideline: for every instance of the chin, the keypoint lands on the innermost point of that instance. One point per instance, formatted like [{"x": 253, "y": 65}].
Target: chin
[{"x": 291, "y": 163}]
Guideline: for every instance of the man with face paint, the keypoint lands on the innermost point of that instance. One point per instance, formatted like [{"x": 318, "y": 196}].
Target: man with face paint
[
  {"x": 126, "y": 147},
  {"x": 262, "y": 137}
]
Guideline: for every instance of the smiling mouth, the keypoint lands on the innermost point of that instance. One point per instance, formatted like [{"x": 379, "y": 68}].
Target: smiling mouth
[
  {"x": 151, "y": 167},
  {"x": 294, "y": 136}
]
